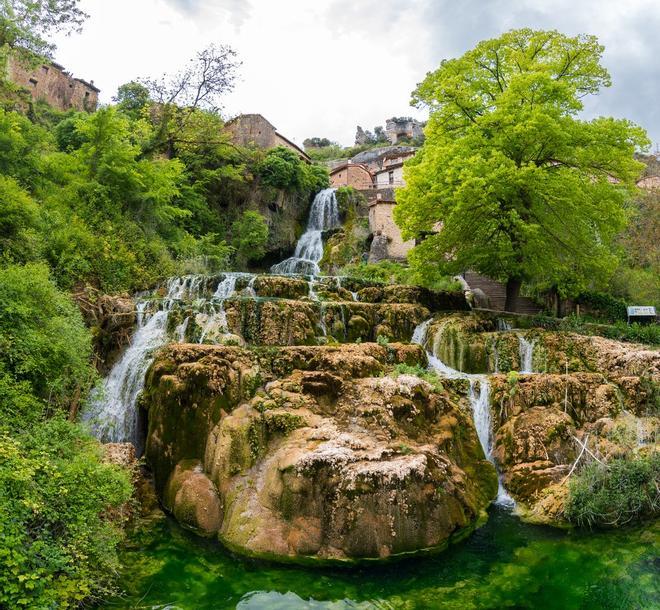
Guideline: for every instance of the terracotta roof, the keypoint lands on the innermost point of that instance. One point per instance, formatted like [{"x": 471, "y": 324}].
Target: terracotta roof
[{"x": 338, "y": 168}]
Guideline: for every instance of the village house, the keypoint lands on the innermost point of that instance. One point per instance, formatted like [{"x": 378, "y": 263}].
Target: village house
[
  {"x": 391, "y": 173},
  {"x": 351, "y": 174},
  {"x": 50, "y": 82},
  {"x": 255, "y": 130}
]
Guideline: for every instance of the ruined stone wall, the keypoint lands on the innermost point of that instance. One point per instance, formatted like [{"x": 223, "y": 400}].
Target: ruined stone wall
[
  {"x": 252, "y": 130},
  {"x": 381, "y": 224},
  {"x": 50, "y": 83}
]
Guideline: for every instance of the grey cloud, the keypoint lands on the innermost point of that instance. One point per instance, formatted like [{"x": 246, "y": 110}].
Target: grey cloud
[
  {"x": 631, "y": 40},
  {"x": 239, "y": 11},
  {"x": 448, "y": 28}
]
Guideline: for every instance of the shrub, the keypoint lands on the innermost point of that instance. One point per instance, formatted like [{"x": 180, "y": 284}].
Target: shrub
[
  {"x": 57, "y": 536},
  {"x": 43, "y": 340},
  {"x": 615, "y": 494},
  {"x": 389, "y": 272},
  {"x": 419, "y": 371},
  {"x": 250, "y": 236}
]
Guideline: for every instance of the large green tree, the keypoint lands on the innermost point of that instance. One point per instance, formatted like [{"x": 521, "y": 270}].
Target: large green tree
[{"x": 510, "y": 181}]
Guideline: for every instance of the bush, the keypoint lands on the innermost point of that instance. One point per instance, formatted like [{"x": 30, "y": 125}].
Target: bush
[
  {"x": 389, "y": 272},
  {"x": 57, "y": 539},
  {"x": 419, "y": 371},
  {"x": 43, "y": 340},
  {"x": 250, "y": 236},
  {"x": 620, "y": 492}
]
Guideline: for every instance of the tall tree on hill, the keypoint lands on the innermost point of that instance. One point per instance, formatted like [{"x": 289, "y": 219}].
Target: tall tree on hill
[{"x": 522, "y": 188}]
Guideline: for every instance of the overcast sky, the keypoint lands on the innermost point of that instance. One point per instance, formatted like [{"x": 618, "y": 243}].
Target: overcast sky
[{"x": 321, "y": 67}]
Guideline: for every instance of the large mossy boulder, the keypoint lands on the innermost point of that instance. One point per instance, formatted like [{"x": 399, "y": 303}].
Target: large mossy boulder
[{"x": 313, "y": 453}]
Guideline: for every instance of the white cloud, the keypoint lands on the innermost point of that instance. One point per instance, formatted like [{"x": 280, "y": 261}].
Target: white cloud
[{"x": 320, "y": 68}]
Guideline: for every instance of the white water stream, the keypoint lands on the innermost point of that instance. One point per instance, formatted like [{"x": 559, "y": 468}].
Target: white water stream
[
  {"x": 323, "y": 216},
  {"x": 479, "y": 398}
]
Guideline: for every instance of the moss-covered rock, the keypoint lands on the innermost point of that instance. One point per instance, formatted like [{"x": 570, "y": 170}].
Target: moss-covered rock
[{"x": 320, "y": 459}]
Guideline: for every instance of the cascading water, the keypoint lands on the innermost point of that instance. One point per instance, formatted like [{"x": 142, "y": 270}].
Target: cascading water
[
  {"x": 526, "y": 354},
  {"x": 479, "y": 402},
  {"x": 323, "y": 216},
  {"x": 111, "y": 413}
]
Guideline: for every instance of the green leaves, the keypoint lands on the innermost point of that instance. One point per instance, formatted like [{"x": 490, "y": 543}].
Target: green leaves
[
  {"x": 521, "y": 187},
  {"x": 57, "y": 541}
]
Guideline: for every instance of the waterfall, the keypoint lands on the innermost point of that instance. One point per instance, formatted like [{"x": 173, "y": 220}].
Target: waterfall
[
  {"x": 323, "y": 215},
  {"x": 526, "y": 354},
  {"x": 111, "y": 412},
  {"x": 479, "y": 403}
]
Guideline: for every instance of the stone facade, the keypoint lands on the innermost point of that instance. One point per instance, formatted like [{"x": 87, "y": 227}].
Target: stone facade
[
  {"x": 387, "y": 242},
  {"x": 255, "y": 130},
  {"x": 51, "y": 83},
  {"x": 351, "y": 174}
]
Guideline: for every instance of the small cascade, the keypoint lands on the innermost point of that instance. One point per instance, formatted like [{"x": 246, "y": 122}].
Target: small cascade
[
  {"x": 323, "y": 216},
  {"x": 249, "y": 290},
  {"x": 526, "y": 354},
  {"x": 312, "y": 293},
  {"x": 479, "y": 402},
  {"x": 180, "y": 330},
  {"x": 111, "y": 414},
  {"x": 421, "y": 332}
]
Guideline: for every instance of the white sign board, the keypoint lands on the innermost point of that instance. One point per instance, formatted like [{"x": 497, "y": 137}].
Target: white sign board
[{"x": 641, "y": 311}]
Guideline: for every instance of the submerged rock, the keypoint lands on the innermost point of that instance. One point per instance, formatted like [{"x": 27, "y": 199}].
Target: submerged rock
[{"x": 306, "y": 453}]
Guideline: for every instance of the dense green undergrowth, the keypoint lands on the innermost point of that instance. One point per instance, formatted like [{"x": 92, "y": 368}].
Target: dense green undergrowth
[
  {"x": 616, "y": 493},
  {"x": 389, "y": 272}
]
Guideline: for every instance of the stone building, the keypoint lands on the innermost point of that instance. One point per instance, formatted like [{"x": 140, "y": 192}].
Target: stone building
[
  {"x": 351, "y": 174},
  {"x": 391, "y": 173},
  {"x": 51, "y": 83},
  {"x": 387, "y": 241},
  {"x": 255, "y": 130},
  {"x": 403, "y": 128}
]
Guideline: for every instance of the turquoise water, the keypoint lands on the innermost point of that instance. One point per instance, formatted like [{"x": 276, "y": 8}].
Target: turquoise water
[{"x": 505, "y": 564}]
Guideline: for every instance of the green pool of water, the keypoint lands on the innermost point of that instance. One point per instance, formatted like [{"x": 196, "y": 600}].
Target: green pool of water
[{"x": 505, "y": 564}]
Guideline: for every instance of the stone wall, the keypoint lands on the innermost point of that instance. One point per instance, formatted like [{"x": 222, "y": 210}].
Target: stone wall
[
  {"x": 51, "y": 83},
  {"x": 349, "y": 174},
  {"x": 255, "y": 130},
  {"x": 387, "y": 242}
]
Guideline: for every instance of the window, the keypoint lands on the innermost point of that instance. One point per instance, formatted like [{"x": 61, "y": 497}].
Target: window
[
  {"x": 44, "y": 69},
  {"x": 33, "y": 82},
  {"x": 390, "y": 175}
]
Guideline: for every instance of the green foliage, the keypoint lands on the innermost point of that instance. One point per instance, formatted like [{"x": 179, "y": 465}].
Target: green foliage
[
  {"x": 523, "y": 188},
  {"x": 389, "y": 272},
  {"x": 26, "y": 25},
  {"x": 57, "y": 538},
  {"x": 382, "y": 340},
  {"x": 430, "y": 377},
  {"x": 19, "y": 217},
  {"x": 603, "y": 306},
  {"x": 250, "y": 236},
  {"x": 132, "y": 98},
  {"x": 43, "y": 340},
  {"x": 282, "y": 168},
  {"x": 615, "y": 494}
]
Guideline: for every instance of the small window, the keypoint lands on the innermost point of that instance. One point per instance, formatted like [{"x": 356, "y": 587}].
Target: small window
[
  {"x": 33, "y": 82},
  {"x": 391, "y": 176},
  {"x": 44, "y": 69},
  {"x": 86, "y": 94}
]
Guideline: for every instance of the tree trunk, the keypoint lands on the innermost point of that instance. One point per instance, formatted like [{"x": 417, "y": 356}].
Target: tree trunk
[{"x": 512, "y": 291}]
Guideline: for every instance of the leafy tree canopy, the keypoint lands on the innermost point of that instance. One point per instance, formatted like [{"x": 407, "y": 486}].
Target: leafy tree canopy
[
  {"x": 522, "y": 188},
  {"x": 27, "y": 24}
]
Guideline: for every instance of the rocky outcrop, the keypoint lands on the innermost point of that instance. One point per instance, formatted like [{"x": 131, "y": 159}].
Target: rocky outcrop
[{"x": 313, "y": 453}]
